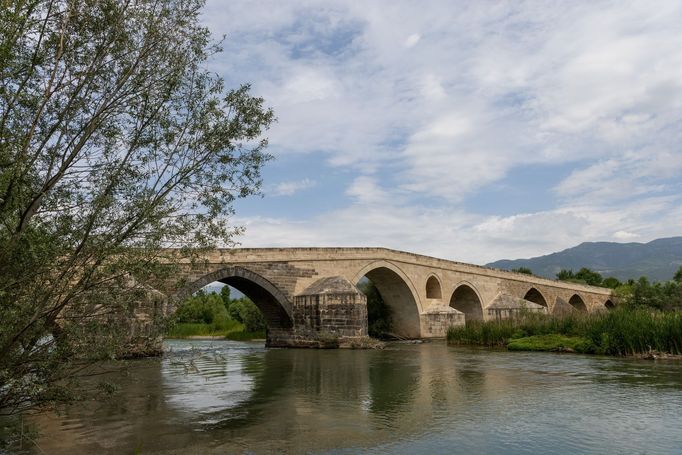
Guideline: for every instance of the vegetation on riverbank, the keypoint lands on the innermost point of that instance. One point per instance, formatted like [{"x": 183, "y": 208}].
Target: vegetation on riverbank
[
  {"x": 551, "y": 342},
  {"x": 116, "y": 142},
  {"x": 232, "y": 331},
  {"x": 623, "y": 331},
  {"x": 217, "y": 315},
  {"x": 662, "y": 295},
  {"x": 379, "y": 317}
]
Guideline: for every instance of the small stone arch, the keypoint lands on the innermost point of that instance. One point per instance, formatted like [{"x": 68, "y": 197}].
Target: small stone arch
[
  {"x": 535, "y": 296},
  {"x": 398, "y": 292},
  {"x": 270, "y": 300},
  {"x": 578, "y": 303},
  {"x": 609, "y": 305},
  {"x": 465, "y": 298},
  {"x": 433, "y": 288}
]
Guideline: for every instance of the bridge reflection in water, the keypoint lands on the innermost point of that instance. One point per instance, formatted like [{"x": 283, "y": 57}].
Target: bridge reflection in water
[{"x": 228, "y": 397}]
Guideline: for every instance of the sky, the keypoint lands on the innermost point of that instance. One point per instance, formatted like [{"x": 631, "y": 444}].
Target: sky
[{"x": 471, "y": 131}]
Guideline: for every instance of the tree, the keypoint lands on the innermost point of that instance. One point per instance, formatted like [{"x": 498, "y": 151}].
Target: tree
[
  {"x": 524, "y": 270},
  {"x": 379, "y": 319},
  {"x": 589, "y": 277},
  {"x": 582, "y": 276},
  {"x": 565, "y": 275},
  {"x": 202, "y": 308},
  {"x": 611, "y": 282},
  {"x": 225, "y": 296},
  {"x": 678, "y": 275},
  {"x": 246, "y": 312},
  {"x": 251, "y": 316},
  {"x": 115, "y": 141},
  {"x": 665, "y": 296}
]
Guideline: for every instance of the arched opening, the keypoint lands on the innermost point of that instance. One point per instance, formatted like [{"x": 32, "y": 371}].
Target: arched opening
[
  {"x": 400, "y": 310},
  {"x": 268, "y": 299},
  {"x": 466, "y": 300},
  {"x": 433, "y": 290},
  {"x": 609, "y": 305},
  {"x": 535, "y": 296},
  {"x": 577, "y": 302}
]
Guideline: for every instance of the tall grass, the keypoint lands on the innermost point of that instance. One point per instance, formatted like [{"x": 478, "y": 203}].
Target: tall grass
[
  {"x": 187, "y": 329},
  {"x": 245, "y": 336},
  {"x": 618, "y": 332}
]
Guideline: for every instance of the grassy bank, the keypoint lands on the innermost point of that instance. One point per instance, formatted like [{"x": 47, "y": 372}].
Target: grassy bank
[
  {"x": 618, "y": 332},
  {"x": 231, "y": 330}
]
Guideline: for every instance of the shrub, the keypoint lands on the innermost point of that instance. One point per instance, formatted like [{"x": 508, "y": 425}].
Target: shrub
[{"x": 246, "y": 312}]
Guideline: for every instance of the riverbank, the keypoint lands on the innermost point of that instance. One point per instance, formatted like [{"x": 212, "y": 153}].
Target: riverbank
[
  {"x": 634, "y": 332},
  {"x": 232, "y": 330}
]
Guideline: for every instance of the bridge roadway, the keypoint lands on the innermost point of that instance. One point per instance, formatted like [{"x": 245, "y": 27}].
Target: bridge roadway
[{"x": 426, "y": 294}]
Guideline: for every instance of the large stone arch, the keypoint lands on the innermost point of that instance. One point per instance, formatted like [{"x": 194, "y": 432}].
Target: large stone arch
[
  {"x": 398, "y": 292},
  {"x": 271, "y": 301},
  {"x": 534, "y": 295},
  {"x": 465, "y": 298},
  {"x": 578, "y": 303}
]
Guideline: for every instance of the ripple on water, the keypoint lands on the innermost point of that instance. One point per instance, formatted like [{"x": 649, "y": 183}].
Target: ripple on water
[{"x": 231, "y": 397}]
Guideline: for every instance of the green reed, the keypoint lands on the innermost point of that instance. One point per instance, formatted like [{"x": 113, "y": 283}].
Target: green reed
[{"x": 622, "y": 331}]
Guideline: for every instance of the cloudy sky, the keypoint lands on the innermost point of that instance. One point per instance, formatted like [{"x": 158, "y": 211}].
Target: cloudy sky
[{"x": 471, "y": 131}]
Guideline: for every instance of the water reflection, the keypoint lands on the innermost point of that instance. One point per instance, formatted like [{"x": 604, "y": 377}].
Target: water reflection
[{"x": 229, "y": 397}]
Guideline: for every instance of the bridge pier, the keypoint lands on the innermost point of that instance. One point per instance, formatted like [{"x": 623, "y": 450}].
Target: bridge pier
[
  {"x": 437, "y": 319},
  {"x": 331, "y": 312}
]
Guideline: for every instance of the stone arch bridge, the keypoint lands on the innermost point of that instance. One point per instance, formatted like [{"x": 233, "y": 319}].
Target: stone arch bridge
[{"x": 307, "y": 294}]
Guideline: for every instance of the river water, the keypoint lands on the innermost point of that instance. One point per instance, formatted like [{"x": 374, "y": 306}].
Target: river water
[{"x": 228, "y": 397}]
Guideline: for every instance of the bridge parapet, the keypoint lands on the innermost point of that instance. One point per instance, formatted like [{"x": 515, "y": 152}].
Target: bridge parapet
[{"x": 426, "y": 294}]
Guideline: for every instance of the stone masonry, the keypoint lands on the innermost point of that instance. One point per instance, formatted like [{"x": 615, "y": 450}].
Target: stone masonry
[{"x": 310, "y": 292}]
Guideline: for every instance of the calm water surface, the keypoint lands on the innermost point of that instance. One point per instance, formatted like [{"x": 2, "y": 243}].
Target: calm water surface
[{"x": 231, "y": 397}]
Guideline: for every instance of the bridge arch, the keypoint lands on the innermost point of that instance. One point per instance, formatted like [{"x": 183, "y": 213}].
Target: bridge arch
[
  {"x": 398, "y": 293},
  {"x": 578, "y": 303},
  {"x": 609, "y": 305},
  {"x": 465, "y": 298},
  {"x": 433, "y": 288},
  {"x": 535, "y": 296},
  {"x": 270, "y": 300}
]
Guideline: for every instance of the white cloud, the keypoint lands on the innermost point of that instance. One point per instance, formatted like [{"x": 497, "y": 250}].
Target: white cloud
[
  {"x": 290, "y": 188},
  {"x": 461, "y": 236},
  {"x": 625, "y": 235},
  {"x": 412, "y": 40},
  {"x": 492, "y": 87},
  {"x": 623, "y": 177}
]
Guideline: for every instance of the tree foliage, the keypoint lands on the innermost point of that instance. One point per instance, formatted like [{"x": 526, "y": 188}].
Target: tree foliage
[
  {"x": 665, "y": 295},
  {"x": 115, "y": 141},
  {"x": 678, "y": 275},
  {"x": 379, "y": 318},
  {"x": 202, "y": 308},
  {"x": 524, "y": 270},
  {"x": 246, "y": 312},
  {"x": 583, "y": 276}
]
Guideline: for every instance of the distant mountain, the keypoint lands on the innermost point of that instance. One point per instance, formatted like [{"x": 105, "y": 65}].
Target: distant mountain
[{"x": 658, "y": 260}]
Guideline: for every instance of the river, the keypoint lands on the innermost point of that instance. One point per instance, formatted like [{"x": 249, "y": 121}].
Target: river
[{"x": 228, "y": 397}]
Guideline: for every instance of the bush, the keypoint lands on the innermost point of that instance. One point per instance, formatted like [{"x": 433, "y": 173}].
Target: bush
[
  {"x": 246, "y": 312},
  {"x": 202, "y": 308},
  {"x": 216, "y": 314},
  {"x": 552, "y": 342},
  {"x": 379, "y": 319}
]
